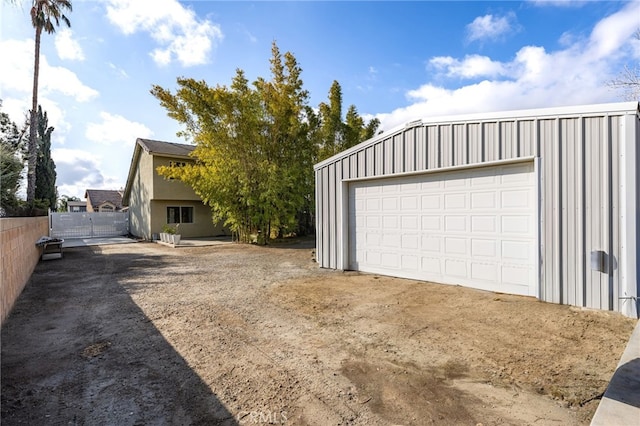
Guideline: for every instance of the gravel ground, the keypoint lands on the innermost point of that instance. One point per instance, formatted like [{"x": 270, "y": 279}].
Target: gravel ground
[{"x": 145, "y": 334}]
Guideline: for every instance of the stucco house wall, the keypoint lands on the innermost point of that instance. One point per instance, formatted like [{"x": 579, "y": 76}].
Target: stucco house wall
[{"x": 148, "y": 194}]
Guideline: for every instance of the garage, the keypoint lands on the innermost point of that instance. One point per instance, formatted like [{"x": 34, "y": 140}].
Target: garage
[
  {"x": 473, "y": 227},
  {"x": 540, "y": 202}
]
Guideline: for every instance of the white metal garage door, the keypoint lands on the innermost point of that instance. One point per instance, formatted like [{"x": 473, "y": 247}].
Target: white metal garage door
[{"x": 473, "y": 227}]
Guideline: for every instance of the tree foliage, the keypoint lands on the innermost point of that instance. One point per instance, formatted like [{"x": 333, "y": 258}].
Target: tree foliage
[
  {"x": 63, "y": 203},
  {"x": 337, "y": 133},
  {"x": 46, "y": 15},
  {"x": 11, "y": 163},
  {"x": 256, "y": 144},
  {"x": 45, "y": 190}
]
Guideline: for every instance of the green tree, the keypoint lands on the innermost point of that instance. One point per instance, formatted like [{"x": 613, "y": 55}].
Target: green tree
[
  {"x": 335, "y": 135},
  {"x": 331, "y": 125},
  {"x": 11, "y": 162},
  {"x": 45, "y": 167},
  {"x": 289, "y": 178},
  {"x": 254, "y": 159},
  {"x": 63, "y": 203},
  {"x": 45, "y": 16}
]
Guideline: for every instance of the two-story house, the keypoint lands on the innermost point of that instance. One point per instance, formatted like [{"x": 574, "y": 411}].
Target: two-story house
[{"x": 155, "y": 201}]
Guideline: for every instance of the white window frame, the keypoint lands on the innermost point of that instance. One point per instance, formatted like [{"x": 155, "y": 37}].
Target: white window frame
[{"x": 181, "y": 214}]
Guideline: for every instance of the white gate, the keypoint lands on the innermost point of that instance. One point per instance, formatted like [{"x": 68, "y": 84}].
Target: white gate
[{"x": 88, "y": 225}]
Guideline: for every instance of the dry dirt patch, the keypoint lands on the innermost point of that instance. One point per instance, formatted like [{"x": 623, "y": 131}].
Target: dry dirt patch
[
  {"x": 146, "y": 334},
  {"x": 427, "y": 349}
]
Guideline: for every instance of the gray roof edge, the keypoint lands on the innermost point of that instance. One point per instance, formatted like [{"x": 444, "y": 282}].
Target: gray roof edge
[
  {"x": 629, "y": 107},
  {"x": 145, "y": 144}
]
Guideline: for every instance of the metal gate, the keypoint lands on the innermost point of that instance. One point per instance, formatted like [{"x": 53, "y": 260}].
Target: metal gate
[{"x": 88, "y": 225}]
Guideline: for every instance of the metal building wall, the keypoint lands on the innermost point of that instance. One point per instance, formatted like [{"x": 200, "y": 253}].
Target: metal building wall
[{"x": 582, "y": 184}]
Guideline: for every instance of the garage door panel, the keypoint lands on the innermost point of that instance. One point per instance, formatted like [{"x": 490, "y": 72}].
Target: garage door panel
[
  {"x": 484, "y": 248},
  {"x": 431, "y": 265},
  {"x": 455, "y": 201},
  {"x": 430, "y": 243},
  {"x": 483, "y": 224},
  {"x": 410, "y": 262},
  {"x": 390, "y": 222},
  {"x": 485, "y": 272},
  {"x": 516, "y": 250},
  {"x": 483, "y": 200},
  {"x": 515, "y": 199},
  {"x": 409, "y": 203},
  {"x": 456, "y": 268},
  {"x": 474, "y": 227},
  {"x": 409, "y": 223},
  {"x": 455, "y": 182},
  {"x": 484, "y": 178},
  {"x": 455, "y": 245},
  {"x": 433, "y": 184},
  {"x": 432, "y": 223},
  {"x": 373, "y": 204},
  {"x": 430, "y": 202},
  {"x": 390, "y": 260},
  {"x": 391, "y": 240},
  {"x": 373, "y": 222},
  {"x": 519, "y": 225},
  {"x": 372, "y": 239},
  {"x": 515, "y": 174},
  {"x": 390, "y": 203},
  {"x": 455, "y": 224},
  {"x": 410, "y": 242},
  {"x": 515, "y": 275}
]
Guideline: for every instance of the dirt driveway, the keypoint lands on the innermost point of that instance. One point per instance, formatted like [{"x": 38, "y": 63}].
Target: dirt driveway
[{"x": 145, "y": 334}]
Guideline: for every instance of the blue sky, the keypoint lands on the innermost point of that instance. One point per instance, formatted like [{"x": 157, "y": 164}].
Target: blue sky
[{"x": 398, "y": 61}]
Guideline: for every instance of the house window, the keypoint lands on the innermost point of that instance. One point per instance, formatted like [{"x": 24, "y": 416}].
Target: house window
[
  {"x": 176, "y": 164},
  {"x": 179, "y": 214}
]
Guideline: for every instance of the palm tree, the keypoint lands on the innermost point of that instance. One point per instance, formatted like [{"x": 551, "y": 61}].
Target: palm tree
[{"x": 45, "y": 15}]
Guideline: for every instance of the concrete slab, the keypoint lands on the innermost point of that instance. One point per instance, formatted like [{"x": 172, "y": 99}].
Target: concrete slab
[
  {"x": 620, "y": 404},
  {"x": 200, "y": 242},
  {"x": 84, "y": 242}
]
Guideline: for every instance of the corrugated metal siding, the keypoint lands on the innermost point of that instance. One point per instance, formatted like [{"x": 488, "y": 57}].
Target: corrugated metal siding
[{"x": 579, "y": 189}]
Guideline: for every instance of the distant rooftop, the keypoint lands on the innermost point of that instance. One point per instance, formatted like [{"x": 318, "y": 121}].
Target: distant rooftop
[
  {"x": 168, "y": 148},
  {"x": 96, "y": 197}
]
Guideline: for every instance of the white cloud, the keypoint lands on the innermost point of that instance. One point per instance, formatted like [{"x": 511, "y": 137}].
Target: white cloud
[
  {"x": 534, "y": 78},
  {"x": 65, "y": 81},
  {"x": 18, "y": 108},
  {"x": 76, "y": 171},
  {"x": 471, "y": 67},
  {"x": 490, "y": 27},
  {"x": 611, "y": 33},
  {"x": 116, "y": 129},
  {"x": 16, "y": 73},
  {"x": 67, "y": 47},
  {"x": 79, "y": 170},
  {"x": 176, "y": 29},
  {"x": 16, "y": 67}
]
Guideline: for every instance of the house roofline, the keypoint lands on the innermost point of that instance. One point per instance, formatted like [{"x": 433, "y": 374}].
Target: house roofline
[{"x": 135, "y": 159}]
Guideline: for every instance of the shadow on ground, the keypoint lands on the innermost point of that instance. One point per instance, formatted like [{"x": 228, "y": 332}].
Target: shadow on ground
[{"x": 76, "y": 349}]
